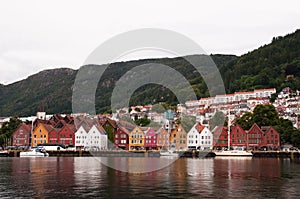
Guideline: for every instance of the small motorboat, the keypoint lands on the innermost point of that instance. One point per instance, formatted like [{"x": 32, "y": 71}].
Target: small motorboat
[
  {"x": 169, "y": 153},
  {"x": 3, "y": 153},
  {"x": 34, "y": 152}
]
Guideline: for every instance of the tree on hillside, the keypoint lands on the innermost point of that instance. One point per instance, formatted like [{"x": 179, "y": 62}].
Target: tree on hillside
[
  {"x": 246, "y": 121},
  {"x": 142, "y": 121},
  {"x": 265, "y": 115},
  {"x": 8, "y": 128}
]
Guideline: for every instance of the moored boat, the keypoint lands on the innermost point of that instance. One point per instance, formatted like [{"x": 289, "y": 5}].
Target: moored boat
[
  {"x": 237, "y": 151},
  {"x": 34, "y": 152},
  {"x": 169, "y": 153}
]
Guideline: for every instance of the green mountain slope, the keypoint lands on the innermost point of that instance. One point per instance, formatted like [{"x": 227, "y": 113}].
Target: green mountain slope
[
  {"x": 274, "y": 65},
  {"x": 51, "y": 90}
]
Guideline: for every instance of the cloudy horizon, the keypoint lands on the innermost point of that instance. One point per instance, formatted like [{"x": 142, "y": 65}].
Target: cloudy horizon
[{"x": 52, "y": 34}]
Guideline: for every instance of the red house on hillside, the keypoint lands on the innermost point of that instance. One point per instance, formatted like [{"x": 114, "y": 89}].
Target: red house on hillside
[
  {"x": 220, "y": 137},
  {"x": 255, "y": 137},
  {"x": 150, "y": 139},
  {"x": 21, "y": 136}
]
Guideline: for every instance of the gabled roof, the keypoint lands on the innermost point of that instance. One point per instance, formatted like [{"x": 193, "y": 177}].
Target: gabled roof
[
  {"x": 254, "y": 125},
  {"x": 150, "y": 131},
  {"x": 47, "y": 127},
  {"x": 124, "y": 130},
  {"x": 26, "y": 127},
  {"x": 199, "y": 127}
]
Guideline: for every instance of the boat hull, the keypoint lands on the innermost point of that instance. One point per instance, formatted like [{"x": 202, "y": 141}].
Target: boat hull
[
  {"x": 171, "y": 154},
  {"x": 233, "y": 153},
  {"x": 33, "y": 154}
]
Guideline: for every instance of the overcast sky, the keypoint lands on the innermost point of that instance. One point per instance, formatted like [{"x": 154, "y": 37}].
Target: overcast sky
[{"x": 37, "y": 35}]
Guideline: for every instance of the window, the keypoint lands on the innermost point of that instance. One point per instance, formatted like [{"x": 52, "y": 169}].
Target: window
[
  {"x": 174, "y": 135},
  {"x": 116, "y": 135}
]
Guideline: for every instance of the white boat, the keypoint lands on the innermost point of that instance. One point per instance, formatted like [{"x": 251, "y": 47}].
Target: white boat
[
  {"x": 34, "y": 152},
  {"x": 169, "y": 153},
  {"x": 237, "y": 151},
  {"x": 4, "y": 153}
]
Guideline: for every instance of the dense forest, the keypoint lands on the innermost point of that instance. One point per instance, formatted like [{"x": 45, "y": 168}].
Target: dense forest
[{"x": 274, "y": 65}]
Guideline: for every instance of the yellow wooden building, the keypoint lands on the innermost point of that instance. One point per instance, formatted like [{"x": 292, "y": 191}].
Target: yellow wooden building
[
  {"x": 40, "y": 134},
  {"x": 178, "y": 138},
  {"x": 136, "y": 139}
]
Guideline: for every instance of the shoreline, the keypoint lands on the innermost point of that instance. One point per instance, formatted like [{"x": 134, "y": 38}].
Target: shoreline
[{"x": 185, "y": 154}]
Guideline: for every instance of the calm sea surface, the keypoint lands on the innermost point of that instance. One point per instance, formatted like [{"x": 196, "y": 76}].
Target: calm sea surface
[{"x": 86, "y": 177}]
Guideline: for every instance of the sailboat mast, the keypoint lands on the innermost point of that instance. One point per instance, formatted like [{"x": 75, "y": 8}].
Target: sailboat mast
[{"x": 228, "y": 127}]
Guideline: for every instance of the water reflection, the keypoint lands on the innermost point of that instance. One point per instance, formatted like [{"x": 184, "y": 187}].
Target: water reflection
[{"x": 86, "y": 177}]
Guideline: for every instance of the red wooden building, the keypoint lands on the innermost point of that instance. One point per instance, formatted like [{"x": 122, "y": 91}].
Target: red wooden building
[
  {"x": 53, "y": 136},
  {"x": 121, "y": 138},
  {"x": 238, "y": 136},
  {"x": 21, "y": 136},
  {"x": 255, "y": 137},
  {"x": 271, "y": 138},
  {"x": 67, "y": 135},
  {"x": 220, "y": 134},
  {"x": 150, "y": 139}
]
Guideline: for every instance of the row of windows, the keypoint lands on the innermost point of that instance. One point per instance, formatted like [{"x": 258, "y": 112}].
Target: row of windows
[
  {"x": 196, "y": 142},
  {"x": 163, "y": 136},
  {"x": 137, "y": 136},
  {"x": 122, "y": 141},
  {"x": 254, "y": 135},
  {"x": 238, "y": 135},
  {"x": 41, "y": 141},
  {"x": 82, "y": 142},
  {"x": 203, "y": 137},
  {"x": 181, "y": 136},
  {"x": 150, "y": 137},
  {"x": 239, "y": 141},
  {"x": 255, "y": 141},
  {"x": 149, "y": 141},
  {"x": 122, "y": 136},
  {"x": 136, "y": 141},
  {"x": 42, "y": 136},
  {"x": 181, "y": 141}
]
